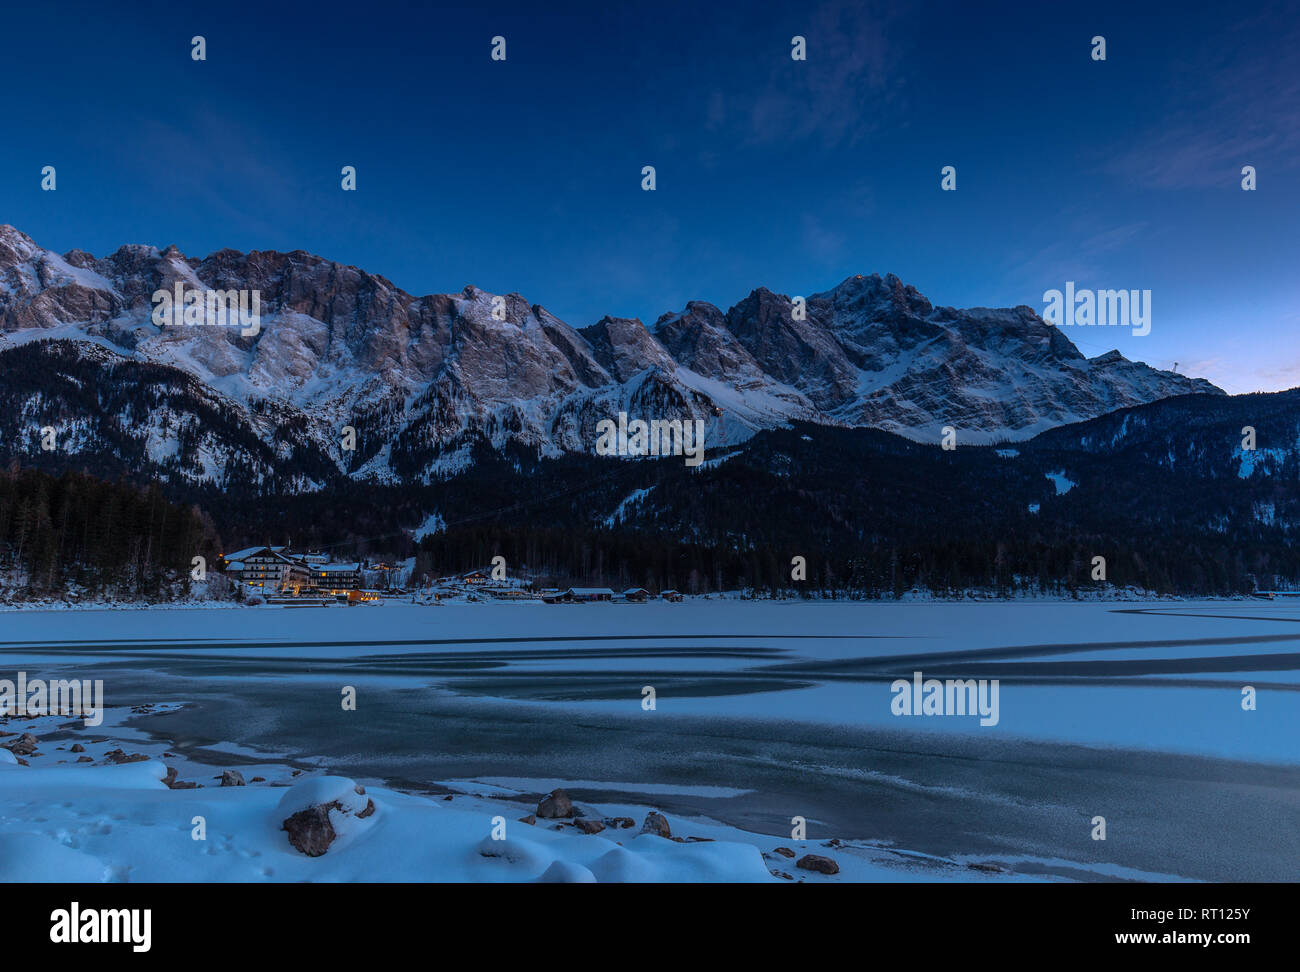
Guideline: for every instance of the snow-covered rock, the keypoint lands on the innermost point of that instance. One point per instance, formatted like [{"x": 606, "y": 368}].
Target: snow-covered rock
[{"x": 318, "y": 811}]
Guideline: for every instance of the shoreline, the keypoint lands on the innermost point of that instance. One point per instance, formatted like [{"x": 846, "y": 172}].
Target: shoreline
[
  {"x": 726, "y": 810},
  {"x": 146, "y": 773},
  {"x": 968, "y": 597}
]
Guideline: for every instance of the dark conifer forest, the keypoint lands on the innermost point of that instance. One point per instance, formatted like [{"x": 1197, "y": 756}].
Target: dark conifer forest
[{"x": 76, "y": 533}]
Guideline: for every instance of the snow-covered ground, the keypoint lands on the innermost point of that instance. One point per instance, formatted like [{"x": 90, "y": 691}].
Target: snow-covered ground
[
  {"x": 85, "y": 816},
  {"x": 762, "y": 712},
  {"x": 121, "y": 823}
]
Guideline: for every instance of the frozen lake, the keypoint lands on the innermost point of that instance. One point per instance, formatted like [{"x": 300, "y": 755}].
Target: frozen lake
[{"x": 763, "y": 711}]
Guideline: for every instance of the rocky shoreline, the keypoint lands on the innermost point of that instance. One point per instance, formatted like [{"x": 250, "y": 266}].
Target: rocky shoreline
[{"x": 316, "y": 816}]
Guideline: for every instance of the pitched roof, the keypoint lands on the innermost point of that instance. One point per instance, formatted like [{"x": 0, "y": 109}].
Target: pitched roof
[{"x": 246, "y": 552}]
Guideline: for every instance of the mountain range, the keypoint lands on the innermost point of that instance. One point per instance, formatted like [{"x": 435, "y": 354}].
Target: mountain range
[{"x": 428, "y": 382}]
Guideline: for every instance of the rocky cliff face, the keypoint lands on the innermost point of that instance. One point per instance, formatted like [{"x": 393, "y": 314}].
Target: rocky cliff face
[{"x": 422, "y": 379}]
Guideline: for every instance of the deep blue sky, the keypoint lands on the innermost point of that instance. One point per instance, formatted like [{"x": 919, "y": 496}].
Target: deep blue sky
[{"x": 525, "y": 175}]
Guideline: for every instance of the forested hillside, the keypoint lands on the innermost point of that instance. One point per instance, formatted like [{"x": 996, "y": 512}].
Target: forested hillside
[{"x": 75, "y": 534}]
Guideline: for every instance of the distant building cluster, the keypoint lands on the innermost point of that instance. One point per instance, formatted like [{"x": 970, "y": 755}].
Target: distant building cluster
[
  {"x": 587, "y": 595},
  {"x": 278, "y": 570},
  {"x": 280, "y": 574}
]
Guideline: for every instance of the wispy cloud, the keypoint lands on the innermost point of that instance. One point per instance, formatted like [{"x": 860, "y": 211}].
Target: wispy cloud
[
  {"x": 1085, "y": 254},
  {"x": 838, "y": 95},
  {"x": 1244, "y": 110}
]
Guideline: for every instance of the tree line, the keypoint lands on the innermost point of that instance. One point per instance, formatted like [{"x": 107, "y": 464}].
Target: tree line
[{"x": 73, "y": 532}]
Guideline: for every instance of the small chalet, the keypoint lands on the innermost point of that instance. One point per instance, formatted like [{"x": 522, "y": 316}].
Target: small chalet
[
  {"x": 671, "y": 595},
  {"x": 638, "y": 594},
  {"x": 581, "y": 595}
]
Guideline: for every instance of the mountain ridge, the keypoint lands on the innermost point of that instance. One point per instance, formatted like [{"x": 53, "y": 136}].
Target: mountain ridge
[{"x": 421, "y": 379}]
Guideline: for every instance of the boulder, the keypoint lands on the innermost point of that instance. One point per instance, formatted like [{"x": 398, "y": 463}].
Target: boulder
[
  {"x": 815, "y": 862},
  {"x": 174, "y": 784},
  {"x": 310, "y": 830},
  {"x": 24, "y": 745},
  {"x": 783, "y": 851},
  {"x": 589, "y": 826},
  {"x": 232, "y": 777},
  {"x": 554, "y": 805},
  {"x": 656, "y": 823},
  {"x": 320, "y": 809},
  {"x": 117, "y": 756}
]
